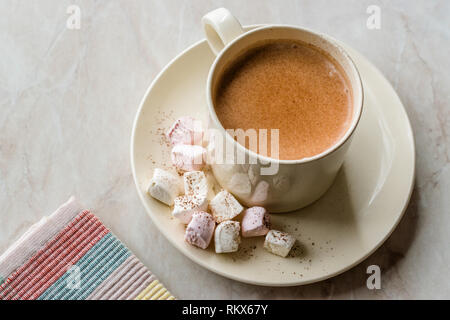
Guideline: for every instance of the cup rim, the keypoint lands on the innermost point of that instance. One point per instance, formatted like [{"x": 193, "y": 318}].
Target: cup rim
[{"x": 265, "y": 159}]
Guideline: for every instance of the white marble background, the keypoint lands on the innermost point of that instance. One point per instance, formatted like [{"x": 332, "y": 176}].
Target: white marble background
[{"x": 68, "y": 99}]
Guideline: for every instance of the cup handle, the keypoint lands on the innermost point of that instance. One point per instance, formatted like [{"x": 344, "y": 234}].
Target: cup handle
[{"x": 220, "y": 27}]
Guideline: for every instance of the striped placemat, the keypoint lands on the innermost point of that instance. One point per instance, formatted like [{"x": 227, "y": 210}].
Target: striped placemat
[{"x": 71, "y": 255}]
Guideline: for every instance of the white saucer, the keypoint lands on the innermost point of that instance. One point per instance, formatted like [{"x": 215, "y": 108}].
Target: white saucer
[{"x": 337, "y": 232}]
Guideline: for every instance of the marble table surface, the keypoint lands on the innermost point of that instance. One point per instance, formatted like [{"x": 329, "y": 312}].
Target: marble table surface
[{"x": 68, "y": 98}]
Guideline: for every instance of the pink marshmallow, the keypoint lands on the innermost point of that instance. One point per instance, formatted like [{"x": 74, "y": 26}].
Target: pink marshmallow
[
  {"x": 188, "y": 157},
  {"x": 200, "y": 230},
  {"x": 256, "y": 222},
  {"x": 185, "y": 130}
]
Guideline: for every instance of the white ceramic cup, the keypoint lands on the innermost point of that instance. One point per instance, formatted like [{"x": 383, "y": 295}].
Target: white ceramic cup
[{"x": 296, "y": 183}]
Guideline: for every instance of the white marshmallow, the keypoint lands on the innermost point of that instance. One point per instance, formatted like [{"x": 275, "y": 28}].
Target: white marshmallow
[
  {"x": 186, "y": 205},
  {"x": 224, "y": 206},
  {"x": 195, "y": 182},
  {"x": 164, "y": 186},
  {"x": 279, "y": 243},
  {"x": 226, "y": 237},
  {"x": 240, "y": 184},
  {"x": 188, "y": 157},
  {"x": 185, "y": 130}
]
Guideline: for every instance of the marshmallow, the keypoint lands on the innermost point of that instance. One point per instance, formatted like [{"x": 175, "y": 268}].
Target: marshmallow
[
  {"x": 185, "y": 130},
  {"x": 188, "y": 157},
  {"x": 240, "y": 184},
  {"x": 200, "y": 230},
  {"x": 279, "y": 243},
  {"x": 261, "y": 193},
  {"x": 186, "y": 205},
  {"x": 195, "y": 182},
  {"x": 226, "y": 237},
  {"x": 196, "y": 190},
  {"x": 164, "y": 186},
  {"x": 256, "y": 222},
  {"x": 224, "y": 206}
]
